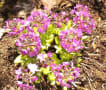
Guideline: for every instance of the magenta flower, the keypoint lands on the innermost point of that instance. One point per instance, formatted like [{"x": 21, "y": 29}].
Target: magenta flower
[
  {"x": 59, "y": 25},
  {"x": 83, "y": 18},
  {"x": 66, "y": 63},
  {"x": 40, "y": 57},
  {"x": 15, "y": 26},
  {"x": 18, "y": 71},
  {"x": 64, "y": 73},
  {"x": 77, "y": 44},
  {"x": 34, "y": 78},
  {"x": 59, "y": 19},
  {"x": 76, "y": 71},
  {"x": 45, "y": 59},
  {"x": 66, "y": 20},
  {"x": 43, "y": 28},
  {"x": 59, "y": 67},
  {"x": 28, "y": 77},
  {"x": 53, "y": 66},
  {"x": 26, "y": 87},
  {"x": 29, "y": 44},
  {"x": 49, "y": 54},
  {"x": 63, "y": 13},
  {"x": 55, "y": 16},
  {"x": 70, "y": 40},
  {"x": 40, "y": 20}
]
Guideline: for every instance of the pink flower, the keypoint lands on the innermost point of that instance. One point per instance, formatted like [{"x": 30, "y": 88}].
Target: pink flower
[
  {"x": 59, "y": 67},
  {"x": 66, "y": 63},
  {"x": 77, "y": 44},
  {"x": 70, "y": 40},
  {"x": 65, "y": 73},
  {"x": 49, "y": 54},
  {"x": 59, "y": 25},
  {"x": 15, "y": 25},
  {"x": 53, "y": 66},
  {"x": 33, "y": 68},
  {"x": 40, "y": 20},
  {"x": 19, "y": 83},
  {"x": 76, "y": 71},
  {"x": 72, "y": 11},
  {"x": 66, "y": 20},
  {"x": 63, "y": 13},
  {"x": 18, "y": 71},
  {"x": 29, "y": 44},
  {"x": 34, "y": 78},
  {"x": 40, "y": 57},
  {"x": 82, "y": 18}
]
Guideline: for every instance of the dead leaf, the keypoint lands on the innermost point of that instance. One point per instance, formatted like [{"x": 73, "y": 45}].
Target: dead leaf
[{"x": 94, "y": 45}]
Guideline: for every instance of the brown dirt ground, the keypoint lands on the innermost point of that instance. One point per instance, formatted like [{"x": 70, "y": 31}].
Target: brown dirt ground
[{"x": 92, "y": 69}]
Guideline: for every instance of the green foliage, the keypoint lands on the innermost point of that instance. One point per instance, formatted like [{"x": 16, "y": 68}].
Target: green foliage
[
  {"x": 46, "y": 70},
  {"x": 24, "y": 60}
]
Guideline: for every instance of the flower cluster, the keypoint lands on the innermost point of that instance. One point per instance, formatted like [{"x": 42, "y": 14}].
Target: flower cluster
[
  {"x": 39, "y": 20},
  {"x": 59, "y": 18},
  {"x": 51, "y": 41},
  {"x": 83, "y": 18},
  {"x": 15, "y": 25},
  {"x": 29, "y": 44},
  {"x": 65, "y": 73},
  {"x": 70, "y": 40},
  {"x": 26, "y": 77},
  {"x": 36, "y": 22},
  {"x": 45, "y": 59}
]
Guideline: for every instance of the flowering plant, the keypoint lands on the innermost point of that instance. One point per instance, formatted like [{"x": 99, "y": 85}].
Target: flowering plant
[{"x": 48, "y": 45}]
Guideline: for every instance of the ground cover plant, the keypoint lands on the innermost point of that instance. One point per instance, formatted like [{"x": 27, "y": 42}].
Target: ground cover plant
[{"x": 50, "y": 45}]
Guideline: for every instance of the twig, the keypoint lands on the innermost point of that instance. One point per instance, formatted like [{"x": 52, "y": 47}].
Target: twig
[
  {"x": 89, "y": 79},
  {"x": 86, "y": 65},
  {"x": 92, "y": 54},
  {"x": 95, "y": 62},
  {"x": 103, "y": 86}
]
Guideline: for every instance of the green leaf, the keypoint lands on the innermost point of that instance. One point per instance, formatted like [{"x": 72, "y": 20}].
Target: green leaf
[
  {"x": 35, "y": 29},
  {"x": 58, "y": 48},
  {"x": 73, "y": 53},
  {"x": 64, "y": 88},
  {"x": 37, "y": 81},
  {"x": 57, "y": 40},
  {"x": 69, "y": 24},
  {"x": 48, "y": 37},
  {"x": 54, "y": 57},
  {"x": 79, "y": 54},
  {"x": 18, "y": 59},
  {"x": 26, "y": 60},
  {"x": 46, "y": 70},
  {"x": 65, "y": 56},
  {"x": 57, "y": 31},
  {"x": 63, "y": 26},
  {"x": 51, "y": 77},
  {"x": 79, "y": 60},
  {"x": 78, "y": 65},
  {"x": 85, "y": 38},
  {"x": 53, "y": 83},
  {"x": 49, "y": 41}
]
